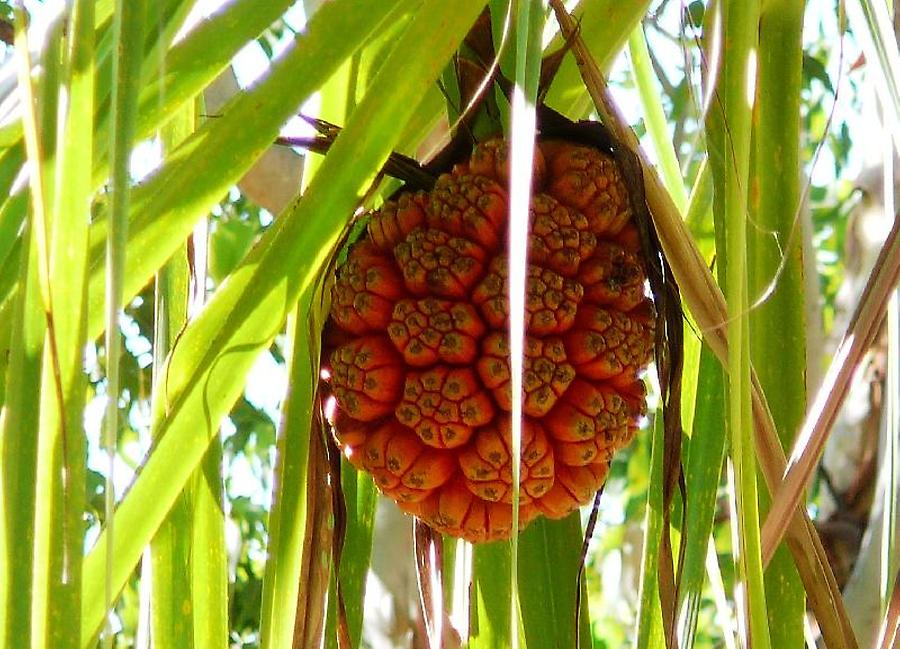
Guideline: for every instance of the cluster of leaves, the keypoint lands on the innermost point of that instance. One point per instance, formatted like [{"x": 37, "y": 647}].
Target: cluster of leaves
[
  {"x": 830, "y": 199},
  {"x": 248, "y": 434}
]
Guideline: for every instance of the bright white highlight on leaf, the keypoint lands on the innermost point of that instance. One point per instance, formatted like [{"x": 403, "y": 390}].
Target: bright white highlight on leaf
[
  {"x": 521, "y": 161},
  {"x": 751, "y": 78},
  {"x": 524, "y": 123}
]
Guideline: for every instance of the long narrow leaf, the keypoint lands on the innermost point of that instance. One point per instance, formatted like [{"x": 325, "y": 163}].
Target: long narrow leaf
[
  {"x": 12, "y": 216},
  {"x": 209, "y": 569},
  {"x": 360, "y": 497},
  {"x": 18, "y": 454},
  {"x": 649, "y": 633},
  {"x": 170, "y": 554},
  {"x": 655, "y": 118},
  {"x": 490, "y": 604},
  {"x": 10, "y": 162},
  {"x": 159, "y": 27},
  {"x": 705, "y": 443},
  {"x": 289, "y": 521},
  {"x": 10, "y": 268},
  {"x": 740, "y": 31},
  {"x": 127, "y": 37},
  {"x": 702, "y": 471},
  {"x": 61, "y": 442},
  {"x": 549, "y": 558},
  {"x": 778, "y": 325},
  {"x": 890, "y": 556},
  {"x": 25, "y": 334}
]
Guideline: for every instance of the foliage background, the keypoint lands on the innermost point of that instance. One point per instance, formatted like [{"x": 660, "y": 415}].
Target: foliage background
[{"x": 834, "y": 112}]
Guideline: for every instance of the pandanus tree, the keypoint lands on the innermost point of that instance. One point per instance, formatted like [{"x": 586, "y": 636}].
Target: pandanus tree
[{"x": 489, "y": 299}]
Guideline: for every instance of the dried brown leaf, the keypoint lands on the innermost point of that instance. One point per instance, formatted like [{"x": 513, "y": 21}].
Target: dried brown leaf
[
  {"x": 891, "y": 623},
  {"x": 861, "y": 333},
  {"x": 429, "y": 551},
  {"x": 309, "y": 624}
]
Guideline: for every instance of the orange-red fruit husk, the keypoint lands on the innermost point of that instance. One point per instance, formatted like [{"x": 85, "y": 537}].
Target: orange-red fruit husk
[{"x": 417, "y": 347}]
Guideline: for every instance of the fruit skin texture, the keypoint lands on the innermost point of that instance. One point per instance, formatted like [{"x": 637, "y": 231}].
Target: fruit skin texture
[{"x": 416, "y": 351}]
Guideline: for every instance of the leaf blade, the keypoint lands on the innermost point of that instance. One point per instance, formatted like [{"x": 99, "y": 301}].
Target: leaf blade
[
  {"x": 778, "y": 326},
  {"x": 549, "y": 561}
]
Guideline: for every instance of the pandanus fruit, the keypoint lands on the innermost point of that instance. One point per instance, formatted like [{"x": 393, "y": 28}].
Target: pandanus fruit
[{"x": 417, "y": 355}]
